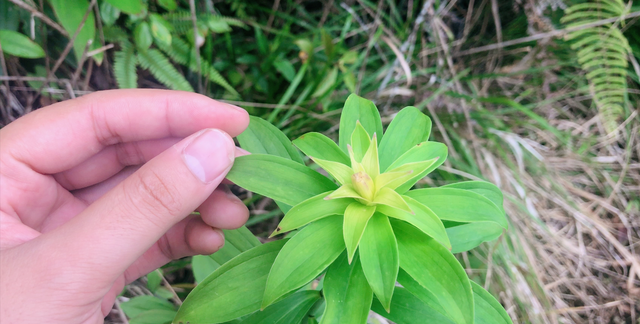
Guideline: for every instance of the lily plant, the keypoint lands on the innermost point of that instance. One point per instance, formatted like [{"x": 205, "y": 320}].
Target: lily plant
[{"x": 359, "y": 239}]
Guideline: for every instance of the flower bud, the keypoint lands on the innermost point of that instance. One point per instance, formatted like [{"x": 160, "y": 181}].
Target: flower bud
[{"x": 364, "y": 185}]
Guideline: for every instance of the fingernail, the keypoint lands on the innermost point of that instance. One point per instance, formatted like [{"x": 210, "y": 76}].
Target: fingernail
[
  {"x": 221, "y": 234},
  {"x": 241, "y": 152},
  {"x": 232, "y": 106},
  {"x": 210, "y": 155}
]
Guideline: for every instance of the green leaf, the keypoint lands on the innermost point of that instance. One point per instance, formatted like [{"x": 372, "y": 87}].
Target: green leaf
[
  {"x": 487, "y": 189},
  {"x": 278, "y": 178},
  {"x": 360, "y": 141},
  {"x": 326, "y": 83},
  {"x": 142, "y": 36},
  {"x": 285, "y": 68},
  {"x": 358, "y": 109},
  {"x": 132, "y": 7},
  {"x": 327, "y": 42},
  {"x": 263, "y": 138},
  {"x": 347, "y": 293},
  {"x": 422, "y": 218},
  {"x": 409, "y": 309},
  {"x": 424, "y": 151},
  {"x": 108, "y": 13},
  {"x": 468, "y": 236},
  {"x": 233, "y": 290},
  {"x": 156, "y": 316},
  {"x": 356, "y": 217},
  {"x": 218, "y": 26},
  {"x": 154, "y": 279},
  {"x": 311, "y": 210},
  {"x": 169, "y": 5},
  {"x": 124, "y": 67},
  {"x": 370, "y": 158},
  {"x": 436, "y": 269},
  {"x": 16, "y": 44},
  {"x": 70, "y": 17},
  {"x": 395, "y": 178},
  {"x": 304, "y": 257},
  {"x": 345, "y": 191},
  {"x": 163, "y": 70},
  {"x": 137, "y": 305},
  {"x": 287, "y": 311},
  {"x": 320, "y": 146},
  {"x": 408, "y": 128},
  {"x": 388, "y": 197},
  {"x": 488, "y": 309},
  {"x": 337, "y": 170},
  {"x": 235, "y": 242},
  {"x": 379, "y": 257},
  {"x": 422, "y": 293},
  {"x": 160, "y": 29},
  {"x": 459, "y": 205}
]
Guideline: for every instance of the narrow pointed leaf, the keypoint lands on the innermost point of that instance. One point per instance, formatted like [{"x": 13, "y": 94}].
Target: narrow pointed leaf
[
  {"x": 17, "y": 44},
  {"x": 487, "y": 309},
  {"x": 370, "y": 159},
  {"x": 358, "y": 109},
  {"x": 320, "y": 146},
  {"x": 311, "y": 210},
  {"x": 233, "y": 290},
  {"x": 347, "y": 293},
  {"x": 355, "y": 165},
  {"x": 289, "y": 310},
  {"x": 388, "y": 197},
  {"x": 405, "y": 173},
  {"x": 437, "y": 270},
  {"x": 337, "y": 170},
  {"x": 409, "y": 309},
  {"x": 422, "y": 293},
  {"x": 424, "y": 219},
  {"x": 356, "y": 217},
  {"x": 459, "y": 205},
  {"x": 304, "y": 257},
  {"x": 263, "y": 138},
  {"x": 360, "y": 141},
  {"x": 468, "y": 236},
  {"x": 407, "y": 129},
  {"x": 487, "y": 189},
  {"x": 379, "y": 257},
  {"x": 345, "y": 191},
  {"x": 278, "y": 178},
  {"x": 422, "y": 152}
]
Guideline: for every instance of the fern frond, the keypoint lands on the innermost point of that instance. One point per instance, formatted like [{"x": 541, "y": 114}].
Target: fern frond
[
  {"x": 182, "y": 53},
  {"x": 124, "y": 67},
  {"x": 181, "y": 20},
  {"x": 602, "y": 52},
  {"x": 154, "y": 61}
]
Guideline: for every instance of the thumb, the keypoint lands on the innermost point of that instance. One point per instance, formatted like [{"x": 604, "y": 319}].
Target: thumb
[{"x": 118, "y": 228}]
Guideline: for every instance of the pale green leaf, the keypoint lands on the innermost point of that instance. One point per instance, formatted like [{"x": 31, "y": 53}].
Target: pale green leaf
[
  {"x": 160, "y": 31},
  {"x": 487, "y": 309},
  {"x": 311, "y": 210},
  {"x": 128, "y": 6},
  {"x": 278, "y": 178},
  {"x": 389, "y": 197},
  {"x": 487, "y": 189},
  {"x": 320, "y": 146},
  {"x": 345, "y": 191},
  {"x": 140, "y": 304},
  {"x": 337, "y": 170},
  {"x": 287, "y": 311},
  {"x": 70, "y": 17},
  {"x": 467, "y": 236},
  {"x": 409, "y": 309},
  {"x": 408, "y": 128},
  {"x": 370, "y": 158},
  {"x": 142, "y": 36},
  {"x": 379, "y": 257},
  {"x": 437, "y": 270},
  {"x": 356, "y": 217},
  {"x": 233, "y": 290},
  {"x": 347, "y": 293},
  {"x": 263, "y": 138},
  {"x": 422, "y": 218},
  {"x": 285, "y": 68},
  {"x": 108, "y": 13},
  {"x": 304, "y": 257},
  {"x": 327, "y": 82},
  {"x": 402, "y": 174},
  {"x": 17, "y": 44},
  {"x": 154, "y": 279},
  {"x": 424, "y": 151},
  {"x": 358, "y": 109},
  {"x": 360, "y": 141}
]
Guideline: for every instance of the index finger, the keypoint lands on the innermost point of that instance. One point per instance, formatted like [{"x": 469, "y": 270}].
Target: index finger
[{"x": 59, "y": 137}]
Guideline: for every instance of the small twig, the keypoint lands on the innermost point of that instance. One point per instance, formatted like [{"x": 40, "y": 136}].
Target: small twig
[
  {"x": 40, "y": 15},
  {"x": 99, "y": 50},
  {"x": 176, "y": 299},
  {"x": 121, "y": 313},
  {"x": 194, "y": 22}
]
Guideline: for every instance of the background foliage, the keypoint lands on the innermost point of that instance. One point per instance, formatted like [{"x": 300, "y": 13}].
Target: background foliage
[{"x": 521, "y": 91}]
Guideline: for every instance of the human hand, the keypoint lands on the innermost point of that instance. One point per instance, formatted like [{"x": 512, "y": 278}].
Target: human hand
[{"x": 79, "y": 219}]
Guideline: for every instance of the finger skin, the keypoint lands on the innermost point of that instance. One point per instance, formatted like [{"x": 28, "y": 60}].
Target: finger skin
[{"x": 224, "y": 210}]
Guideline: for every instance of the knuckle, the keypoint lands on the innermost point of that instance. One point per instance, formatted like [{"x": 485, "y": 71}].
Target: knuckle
[{"x": 153, "y": 194}]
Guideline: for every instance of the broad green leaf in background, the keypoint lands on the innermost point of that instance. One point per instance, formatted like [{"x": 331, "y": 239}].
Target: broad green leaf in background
[
  {"x": 218, "y": 26},
  {"x": 233, "y": 290},
  {"x": 17, "y": 44},
  {"x": 154, "y": 279},
  {"x": 422, "y": 218},
  {"x": 155, "y": 316},
  {"x": 487, "y": 189},
  {"x": 70, "y": 17},
  {"x": 137, "y": 305},
  {"x": 379, "y": 257},
  {"x": 408, "y": 128},
  {"x": 235, "y": 242},
  {"x": 160, "y": 30},
  {"x": 488, "y": 309},
  {"x": 304, "y": 257},
  {"x": 311, "y": 210},
  {"x": 436, "y": 269},
  {"x": 347, "y": 293},
  {"x": 409, "y": 309},
  {"x": 108, "y": 13},
  {"x": 132, "y": 7},
  {"x": 356, "y": 217},
  {"x": 263, "y": 138},
  {"x": 358, "y": 109},
  {"x": 416, "y": 289},
  {"x": 459, "y": 205},
  {"x": 285, "y": 68},
  {"x": 422, "y": 152},
  {"x": 169, "y": 5},
  {"x": 349, "y": 81},
  {"x": 290, "y": 310},
  {"x": 142, "y": 36},
  {"x": 322, "y": 147},
  {"x": 326, "y": 83},
  {"x": 467, "y": 236},
  {"x": 278, "y": 178}
]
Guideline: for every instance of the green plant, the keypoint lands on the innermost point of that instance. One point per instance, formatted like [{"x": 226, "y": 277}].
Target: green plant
[
  {"x": 602, "y": 53},
  {"x": 365, "y": 230}
]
